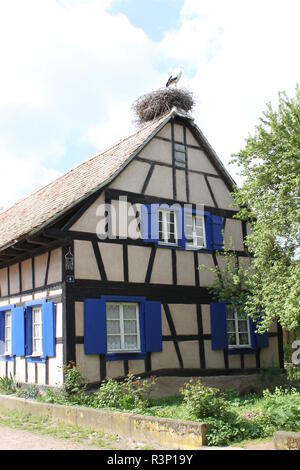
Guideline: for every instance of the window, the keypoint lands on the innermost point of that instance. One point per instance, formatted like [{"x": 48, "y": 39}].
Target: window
[
  {"x": 238, "y": 330},
  {"x": 180, "y": 156},
  {"x": 37, "y": 340},
  {"x": 167, "y": 232},
  {"x": 123, "y": 330},
  {"x": 195, "y": 231},
  {"x": 7, "y": 334}
]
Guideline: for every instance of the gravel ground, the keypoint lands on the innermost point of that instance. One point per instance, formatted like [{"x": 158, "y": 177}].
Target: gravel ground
[{"x": 14, "y": 439}]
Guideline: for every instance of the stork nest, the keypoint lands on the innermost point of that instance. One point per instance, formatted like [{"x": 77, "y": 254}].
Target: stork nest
[{"x": 160, "y": 102}]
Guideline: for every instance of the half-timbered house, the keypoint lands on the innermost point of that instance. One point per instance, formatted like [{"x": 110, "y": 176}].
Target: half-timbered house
[{"x": 101, "y": 267}]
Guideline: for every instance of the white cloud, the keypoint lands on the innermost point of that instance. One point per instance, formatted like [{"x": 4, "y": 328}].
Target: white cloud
[
  {"x": 70, "y": 71},
  {"x": 243, "y": 53}
]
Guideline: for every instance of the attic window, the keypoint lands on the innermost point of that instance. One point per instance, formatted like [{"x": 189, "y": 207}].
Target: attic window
[{"x": 180, "y": 156}]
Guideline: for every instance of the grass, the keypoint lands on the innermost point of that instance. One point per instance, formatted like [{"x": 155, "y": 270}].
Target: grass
[{"x": 44, "y": 426}]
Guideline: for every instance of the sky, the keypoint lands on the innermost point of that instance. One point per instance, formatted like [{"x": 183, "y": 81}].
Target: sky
[{"x": 71, "y": 69}]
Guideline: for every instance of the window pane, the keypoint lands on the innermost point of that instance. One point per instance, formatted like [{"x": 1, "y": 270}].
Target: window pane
[
  {"x": 36, "y": 331},
  {"x": 130, "y": 342},
  {"x": 129, "y": 312},
  {"x": 230, "y": 326},
  {"x": 243, "y": 338},
  {"x": 113, "y": 342},
  {"x": 113, "y": 326},
  {"x": 130, "y": 326},
  {"x": 243, "y": 326},
  {"x": 229, "y": 312},
  {"x": 180, "y": 148},
  {"x": 232, "y": 339},
  {"x": 112, "y": 311}
]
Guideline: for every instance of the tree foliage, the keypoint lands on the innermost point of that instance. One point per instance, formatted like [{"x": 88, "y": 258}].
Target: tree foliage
[{"x": 270, "y": 199}]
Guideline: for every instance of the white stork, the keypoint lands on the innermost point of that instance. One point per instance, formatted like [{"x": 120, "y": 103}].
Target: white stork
[{"x": 173, "y": 80}]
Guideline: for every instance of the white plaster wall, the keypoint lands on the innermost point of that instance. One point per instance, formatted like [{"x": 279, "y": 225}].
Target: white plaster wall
[
  {"x": 221, "y": 194},
  {"x": 198, "y": 160},
  {"x": 190, "y": 354},
  {"x": 199, "y": 193},
  {"x": 91, "y": 217},
  {"x": 55, "y": 367},
  {"x": 3, "y": 282},
  {"x": 85, "y": 264},
  {"x": 112, "y": 255},
  {"x": 20, "y": 369},
  {"x": 165, "y": 132},
  {"x": 138, "y": 260},
  {"x": 205, "y": 309},
  {"x": 136, "y": 367},
  {"x": 191, "y": 139},
  {"x": 184, "y": 318},
  {"x": 79, "y": 318},
  {"x": 214, "y": 359},
  {"x": 181, "y": 185},
  {"x": 233, "y": 235},
  {"x": 178, "y": 133},
  {"x": 158, "y": 150},
  {"x": 89, "y": 365},
  {"x": 269, "y": 357},
  {"x": 206, "y": 277},
  {"x": 161, "y": 183},
  {"x": 162, "y": 267},
  {"x": 114, "y": 369},
  {"x": 55, "y": 267},
  {"x": 31, "y": 372},
  {"x": 166, "y": 359},
  {"x": 132, "y": 178},
  {"x": 14, "y": 279},
  {"x": 26, "y": 269},
  {"x": 40, "y": 266},
  {"x": 185, "y": 268}
]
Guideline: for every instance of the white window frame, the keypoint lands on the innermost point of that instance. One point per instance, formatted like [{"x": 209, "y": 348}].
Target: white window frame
[
  {"x": 122, "y": 333},
  {"x": 237, "y": 344},
  {"x": 193, "y": 244},
  {"x": 165, "y": 232},
  {"x": 40, "y": 337},
  {"x": 7, "y": 338}
]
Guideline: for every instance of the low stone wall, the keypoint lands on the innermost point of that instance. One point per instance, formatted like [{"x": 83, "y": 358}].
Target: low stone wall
[
  {"x": 167, "y": 386},
  {"x": 287, "y": 440},
  {"x": 166, "y": 433}
]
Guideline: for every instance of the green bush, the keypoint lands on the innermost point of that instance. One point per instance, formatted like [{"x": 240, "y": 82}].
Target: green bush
[
  {"x": 7, "y": 385},
  {"x": 74, "y": 384},
  {"x": 203, "y": 402},
  {"x": 131, "y": 393},
  {"x": 282, "y": 408},
  {"x": 31, "y": 392}
]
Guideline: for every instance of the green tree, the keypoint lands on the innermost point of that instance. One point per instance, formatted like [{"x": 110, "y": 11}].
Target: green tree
[{"x": 270, "y": 199}]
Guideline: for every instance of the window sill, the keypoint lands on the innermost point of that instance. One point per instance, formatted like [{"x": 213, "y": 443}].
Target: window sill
[
  {"x": 37, "y": 359},
  {"x": 125, "y": 356},
  {"x": 241, "y": 350},
  {"x": 6, "y": 358}
]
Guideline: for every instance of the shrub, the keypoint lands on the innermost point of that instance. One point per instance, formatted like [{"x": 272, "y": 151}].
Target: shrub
[
  {"x": 203, "y": 402},
  {"x": 131, "y": 393},
  {"x": 74, "y": 383},
  {"x": 29, "y": 393},
  {"x": 7, "y": 385}
]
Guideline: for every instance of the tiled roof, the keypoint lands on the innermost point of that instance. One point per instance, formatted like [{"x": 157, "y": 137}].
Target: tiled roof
[{"x": 33, "y": 212}]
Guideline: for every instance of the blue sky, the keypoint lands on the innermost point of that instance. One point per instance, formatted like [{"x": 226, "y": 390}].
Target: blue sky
[
  {"x": 154, "y": 17},
  {"x": 71, "y": 69}
]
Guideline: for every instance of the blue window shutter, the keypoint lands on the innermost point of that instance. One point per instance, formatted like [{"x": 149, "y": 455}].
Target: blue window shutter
[
  {"x": 48, "y": 327},
  {"x": 153, "y": 327},
  {"x": 153, "y": 222},
  {"x": 95, "y": 326},
  {"x": 180, "y": 220},
  {"x": 28, "y": 331},
  {"x": 2, "y": 332},
  {"x": 145, "y": 227},
  {"x": 208, "y": 231},
  {"x": 149, "y": 223},
  {"x": 258, "y": 340},
  {"x": 217, "y": 235},
  {"x": 218, "y": 325},
  {"x": 18, "y": 331}
]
